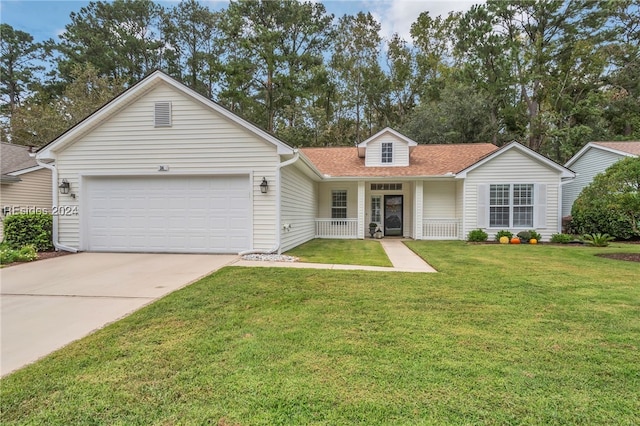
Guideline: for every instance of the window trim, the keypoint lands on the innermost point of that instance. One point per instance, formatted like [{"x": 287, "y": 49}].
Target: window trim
[
  {"x": 511, "y": 205},
  {"x": 386, "y": 155},
  {"x": 335, "y": 208}
]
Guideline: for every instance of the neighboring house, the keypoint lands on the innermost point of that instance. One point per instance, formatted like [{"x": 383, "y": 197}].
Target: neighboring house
[
  {"x": 24, "y": 185},
  {"x": 164, "y": 169},
  {"x": 594, "y": 158}
]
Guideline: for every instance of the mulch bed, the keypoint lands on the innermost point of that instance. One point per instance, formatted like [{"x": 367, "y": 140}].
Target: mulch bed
[
  {"x": 631, "y": 257},
  {"x": 41, "y": 256}
]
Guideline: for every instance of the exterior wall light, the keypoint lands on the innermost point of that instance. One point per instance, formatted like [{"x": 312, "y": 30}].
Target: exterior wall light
[
  {"x": 64, "y": 187},
  {"x": 264, "y": 186}
]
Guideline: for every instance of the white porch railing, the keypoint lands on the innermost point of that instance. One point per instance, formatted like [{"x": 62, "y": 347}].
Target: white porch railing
[
  {"x": 337, "y": 228},
  {"x": 441, "y": 229}
]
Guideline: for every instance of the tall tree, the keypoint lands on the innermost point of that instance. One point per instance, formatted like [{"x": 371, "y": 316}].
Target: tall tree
[
  {"x": 121, "y": 39},
  {"x": 191, "y": 29},
  {"x": 272, "y": 48},
  {"x": 355, "y": 61},
  {"x": 20, "y": 62}
]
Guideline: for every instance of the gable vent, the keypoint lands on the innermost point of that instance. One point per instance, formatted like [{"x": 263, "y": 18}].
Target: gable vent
[{"x": 163, "y": 114}]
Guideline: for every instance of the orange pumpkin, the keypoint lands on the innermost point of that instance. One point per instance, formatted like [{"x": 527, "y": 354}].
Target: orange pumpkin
[{"x": 515, "y": 240}]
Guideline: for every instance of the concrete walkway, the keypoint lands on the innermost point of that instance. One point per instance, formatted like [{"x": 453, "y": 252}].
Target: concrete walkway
[{"x": 402, "y": 258}]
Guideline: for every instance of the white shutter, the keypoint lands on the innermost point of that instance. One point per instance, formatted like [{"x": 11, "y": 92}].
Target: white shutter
[
  {"x": 540, "y": 206},
  {"x": 483, "y": 205},
  {"x": 162, "y": 114}
]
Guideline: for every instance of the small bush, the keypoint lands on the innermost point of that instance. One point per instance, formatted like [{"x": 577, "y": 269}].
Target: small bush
[
  {"x": 535, "y": 235},
  {"x": 25, "y": 254},
  {"x": 503, "y": 233},
  {"x": 561, "y": 238},
  {"x": 598, "y": 240},
  {"x": 524, "y": 236},
  {"x": 29, "y": 229},
  {"x": 477, "y": 236}
]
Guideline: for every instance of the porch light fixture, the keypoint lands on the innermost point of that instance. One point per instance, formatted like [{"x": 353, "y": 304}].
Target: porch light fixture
[
  {"x": 264, "y": 186},
  {"x": 64, "y": 187}
]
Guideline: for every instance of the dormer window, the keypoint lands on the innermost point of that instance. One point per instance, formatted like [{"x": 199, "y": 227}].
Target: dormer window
[{"x": 387, "y": 152}]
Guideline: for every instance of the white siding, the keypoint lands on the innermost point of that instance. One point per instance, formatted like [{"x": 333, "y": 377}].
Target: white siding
[
  {"x": 324, "y": 198},
  {"x": 440, "y": 200},
  {"x": 512, "y": 167},
  {"x": 299, "y": 204},
  {"x": 592, "y": 162},
  {"x": 32, "y": 192},
  {"x": 373, "y": 155},
  {"x": 199, "y": 141}
]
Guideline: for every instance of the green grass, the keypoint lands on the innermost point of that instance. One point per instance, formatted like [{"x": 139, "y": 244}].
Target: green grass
[
  {"x": 501, "y": 335},
  {"x": 342, "y": 252}
]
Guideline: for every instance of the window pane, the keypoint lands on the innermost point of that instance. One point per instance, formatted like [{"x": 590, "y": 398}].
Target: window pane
[
  {"x": 499, "y": 195},
  {"x": 523, "y": 216},
  {"x": 523, "y": 195},
  {"x": 376, "y": 209},
  {"x": 338, "y": 204},
  {"x": 387, "y": 152},
  {"x": 499, "y": 216}
]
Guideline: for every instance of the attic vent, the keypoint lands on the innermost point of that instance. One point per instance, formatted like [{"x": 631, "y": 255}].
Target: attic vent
[{"x": 163, "y": 114}]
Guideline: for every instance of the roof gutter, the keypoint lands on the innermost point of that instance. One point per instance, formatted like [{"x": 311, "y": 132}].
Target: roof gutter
[
  {"x": 54, "y": 197},
  {"x": 276, "y": 247}
]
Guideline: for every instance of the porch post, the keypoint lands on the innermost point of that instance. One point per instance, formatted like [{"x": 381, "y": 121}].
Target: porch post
[
  {"x": 361, "y": 210},
  {"x": 418, "y": 199}
]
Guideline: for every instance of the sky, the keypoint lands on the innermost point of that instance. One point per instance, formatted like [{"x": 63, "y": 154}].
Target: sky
[{"x": 47, "y": 19}]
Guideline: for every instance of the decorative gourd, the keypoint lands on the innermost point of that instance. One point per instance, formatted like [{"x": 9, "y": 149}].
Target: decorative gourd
[
  {"x": 504, "y": 240},
  {"x": 533, "y": 241},
  {"x": 515, "y": 240}
]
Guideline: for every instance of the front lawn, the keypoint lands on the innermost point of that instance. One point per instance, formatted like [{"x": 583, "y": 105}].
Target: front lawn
[
  {"x": 501, "y": 335},
  {"x": 342, "y": 252}
]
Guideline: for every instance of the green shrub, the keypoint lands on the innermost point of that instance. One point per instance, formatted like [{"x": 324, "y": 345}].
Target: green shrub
[
  {"x": 24, "y": 254},
  {"x": 598, "y": 239},
  {"x": 503, "y": 233},
  {"x": 611, "y": 203},
  {"x": 562, "y": 238},
  {"x": 524, "y": 236},
  {"x": 29, "y": 229},
  {"x": 477, "y": 236},
  {"x": 535, "y": 235}
]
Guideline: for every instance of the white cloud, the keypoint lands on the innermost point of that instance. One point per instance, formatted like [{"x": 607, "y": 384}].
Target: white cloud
[{"x": 396, "y": 16}]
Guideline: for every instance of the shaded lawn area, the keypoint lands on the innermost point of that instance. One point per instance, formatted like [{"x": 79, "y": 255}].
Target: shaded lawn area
[
  {"x": 342, "y": 252},
  {"x": 502, "y": 335}
]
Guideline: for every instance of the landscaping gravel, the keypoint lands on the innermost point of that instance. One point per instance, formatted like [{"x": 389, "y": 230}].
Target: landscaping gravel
[{"x": 270, "y": 257}]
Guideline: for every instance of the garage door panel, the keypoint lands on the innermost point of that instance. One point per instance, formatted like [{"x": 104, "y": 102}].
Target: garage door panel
[{"x": 169, "y": 214}]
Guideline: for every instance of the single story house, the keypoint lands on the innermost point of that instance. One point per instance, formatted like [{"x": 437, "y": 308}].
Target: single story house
[
  {"x": 163, "y": 169},
  {"x": 25, "y": 187},
  {"x": 594, "y": 158}
]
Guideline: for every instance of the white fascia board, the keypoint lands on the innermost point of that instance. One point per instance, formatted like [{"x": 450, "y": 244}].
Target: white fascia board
[
  {"x": 564, "y": 171},
  {"x": 27, "y": 170}
]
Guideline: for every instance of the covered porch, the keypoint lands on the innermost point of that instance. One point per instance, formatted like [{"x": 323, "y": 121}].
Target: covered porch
[{"x": 417, "y": 209}]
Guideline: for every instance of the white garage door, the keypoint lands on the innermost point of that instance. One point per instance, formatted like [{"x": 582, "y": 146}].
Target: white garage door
[{"x": 177, "y": 214}]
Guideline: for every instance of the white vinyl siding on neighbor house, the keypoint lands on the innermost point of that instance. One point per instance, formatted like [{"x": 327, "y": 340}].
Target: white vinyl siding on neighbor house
[
  {"x": 34, "y": 191},
  {"x": 591, "y": 163},
  {"x": 299, "y": 205},
  {"x": 512, "y": 167},
  {"x": 399, "y": 152},
  {"x": 200, "y": 142}
]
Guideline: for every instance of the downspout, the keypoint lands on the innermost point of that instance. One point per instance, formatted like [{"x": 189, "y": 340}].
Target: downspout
[
  {"x": 54, "y": 198},
  {"x": 276, "y": 247}
]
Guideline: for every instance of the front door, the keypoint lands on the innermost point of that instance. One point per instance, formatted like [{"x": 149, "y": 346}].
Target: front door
[{"x": 393, "y": 215}]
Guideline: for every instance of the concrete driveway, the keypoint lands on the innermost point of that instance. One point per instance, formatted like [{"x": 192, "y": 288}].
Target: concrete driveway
[{"x": 50, "y": 303}]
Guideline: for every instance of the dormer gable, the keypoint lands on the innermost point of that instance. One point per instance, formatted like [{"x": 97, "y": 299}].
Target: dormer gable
[{"x": 387, "y": 148}]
